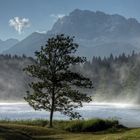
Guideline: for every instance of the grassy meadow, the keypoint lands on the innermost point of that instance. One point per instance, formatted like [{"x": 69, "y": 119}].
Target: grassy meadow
[{"x": 95, "y": 129}]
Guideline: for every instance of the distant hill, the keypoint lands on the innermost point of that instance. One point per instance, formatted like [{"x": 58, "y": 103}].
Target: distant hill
[
  {"x": 97, "y": 33},
  {"x": 28, "y": 45},
  {"x": 7, "y": 44}
]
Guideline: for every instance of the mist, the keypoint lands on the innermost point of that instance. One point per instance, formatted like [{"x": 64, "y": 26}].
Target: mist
[
  {"x": 13, "y": 81},
  {"x": 115, "y": 79}
]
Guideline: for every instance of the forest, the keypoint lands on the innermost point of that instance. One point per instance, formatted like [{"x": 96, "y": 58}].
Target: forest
[
  {"x": 13, "y": 81},
  {"x": 115, "y": 78}
]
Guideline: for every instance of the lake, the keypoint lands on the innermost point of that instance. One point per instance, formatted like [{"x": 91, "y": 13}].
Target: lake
[{"x": 127, "y": 114}]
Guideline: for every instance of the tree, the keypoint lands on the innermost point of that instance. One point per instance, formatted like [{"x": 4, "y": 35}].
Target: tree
[{"x": 55, "y": 85}]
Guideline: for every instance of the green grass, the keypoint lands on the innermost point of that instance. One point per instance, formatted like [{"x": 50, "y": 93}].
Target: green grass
[
  {"x": 36, "y": 122},
  {"x": 8, "y": 133},
  {"x": 133, "y": 134},
  {"x": 92, "y": 125},
  {"x": 38, "y": 130}
]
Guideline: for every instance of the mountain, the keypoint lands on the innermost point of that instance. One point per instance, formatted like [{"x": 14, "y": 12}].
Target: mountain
[
  {"x": 100, "y": 34},
  {"x": 97, "y": 33},
  {"x": 28, "y": 45},
  {"x": 7, "y": 44},
  {"x": 89, "y": 25}
]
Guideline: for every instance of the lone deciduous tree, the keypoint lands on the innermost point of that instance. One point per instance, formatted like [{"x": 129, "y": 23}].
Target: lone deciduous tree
[{"x": 54, "y": 86}]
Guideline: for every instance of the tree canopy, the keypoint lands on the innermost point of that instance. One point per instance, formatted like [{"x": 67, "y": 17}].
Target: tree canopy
[{"x": 55, "y": 86}]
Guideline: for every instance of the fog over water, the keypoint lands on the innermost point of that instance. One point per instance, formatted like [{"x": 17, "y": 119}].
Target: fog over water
[
  {"x": 127, "y": 114},
  {"x": 115, "y": 93}
]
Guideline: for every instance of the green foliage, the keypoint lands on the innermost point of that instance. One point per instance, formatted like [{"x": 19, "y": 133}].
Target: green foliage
[
  {"x": 92, "y": 125},
  {"x": 66, "y": 124},
  {"x": 55, "y": 85}
]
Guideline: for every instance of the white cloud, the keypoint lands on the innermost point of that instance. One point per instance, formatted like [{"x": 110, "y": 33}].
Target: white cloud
[
  {"x": 57, "y": 16},
  {"x": 19, "y": 23}
]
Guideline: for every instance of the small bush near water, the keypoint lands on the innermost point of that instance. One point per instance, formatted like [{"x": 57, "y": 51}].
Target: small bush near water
[{"x": 92, "y": 125}]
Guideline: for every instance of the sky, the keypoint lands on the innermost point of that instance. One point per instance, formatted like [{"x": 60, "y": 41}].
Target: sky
[{"x": 19, "y": 18}]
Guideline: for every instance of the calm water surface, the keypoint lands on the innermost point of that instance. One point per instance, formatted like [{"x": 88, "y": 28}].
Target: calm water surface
[{"x": 127, "y": 114}]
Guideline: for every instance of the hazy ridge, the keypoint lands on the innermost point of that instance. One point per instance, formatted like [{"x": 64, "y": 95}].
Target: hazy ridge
[{"x": 97, "y": 33}]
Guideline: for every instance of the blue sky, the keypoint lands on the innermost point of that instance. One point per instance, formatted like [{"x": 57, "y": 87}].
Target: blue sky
[{"x": 39, "y": 15}]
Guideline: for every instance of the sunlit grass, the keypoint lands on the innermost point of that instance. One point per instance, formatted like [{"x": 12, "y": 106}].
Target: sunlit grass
[{"x": 38, "y": 130}]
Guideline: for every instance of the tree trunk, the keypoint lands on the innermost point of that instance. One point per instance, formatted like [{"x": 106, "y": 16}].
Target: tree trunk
[
  {"x": 51, "y": 118},
  {"x": 52, "y": 110}
]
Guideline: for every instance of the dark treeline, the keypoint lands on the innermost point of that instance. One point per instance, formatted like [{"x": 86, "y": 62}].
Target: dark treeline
[
  {"x": 9, "y": 56},
  {"x": 114, "y": 78}
]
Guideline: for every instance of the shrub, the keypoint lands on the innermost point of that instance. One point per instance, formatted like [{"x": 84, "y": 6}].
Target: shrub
[{"x": 92, "y": 125}]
